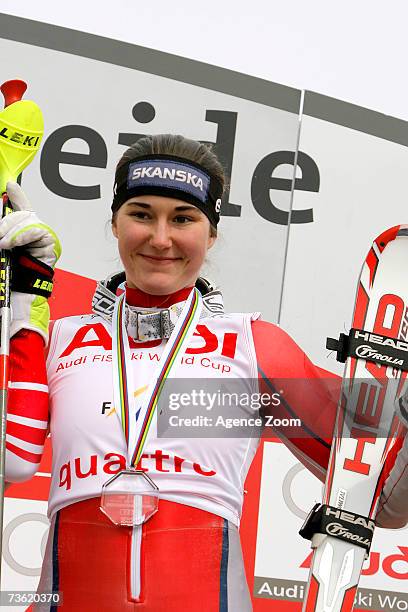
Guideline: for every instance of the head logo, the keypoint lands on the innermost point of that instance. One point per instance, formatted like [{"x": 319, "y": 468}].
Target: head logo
[{"x": 218, "y": 205}]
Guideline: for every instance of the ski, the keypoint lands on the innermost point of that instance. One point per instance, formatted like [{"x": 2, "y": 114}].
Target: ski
[{"x": 367, "y": 429}]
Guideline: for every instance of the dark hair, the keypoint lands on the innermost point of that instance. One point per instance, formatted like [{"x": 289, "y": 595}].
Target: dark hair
[{"x": 175, "y": 144}]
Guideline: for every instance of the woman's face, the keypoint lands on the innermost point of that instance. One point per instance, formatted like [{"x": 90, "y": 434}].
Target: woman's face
[{"x": 162, "y": 243}]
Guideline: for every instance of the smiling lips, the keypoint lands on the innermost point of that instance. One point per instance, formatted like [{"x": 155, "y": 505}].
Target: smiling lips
[{"x": 159, "y": 260}]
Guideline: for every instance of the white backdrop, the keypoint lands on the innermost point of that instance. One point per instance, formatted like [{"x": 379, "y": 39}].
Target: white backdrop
[
  {"x": 248, "y": 242},
  {"x": 362, "y": 192},
  {"x": 355, "y": 51},
  {"x": 351, "y": 162}
]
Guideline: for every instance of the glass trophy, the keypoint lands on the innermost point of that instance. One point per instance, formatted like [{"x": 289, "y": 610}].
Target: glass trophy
[{"x": 129, "y": 498}]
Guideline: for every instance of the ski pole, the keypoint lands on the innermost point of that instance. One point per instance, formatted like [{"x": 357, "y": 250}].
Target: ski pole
[{"x": 13, "y": 92}]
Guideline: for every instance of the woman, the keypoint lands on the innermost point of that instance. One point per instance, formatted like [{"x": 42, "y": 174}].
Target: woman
[{"x": 105, "y": 372}]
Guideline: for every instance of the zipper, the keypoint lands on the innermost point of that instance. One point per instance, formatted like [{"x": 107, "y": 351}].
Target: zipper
[{"x": 136, "y": 562}]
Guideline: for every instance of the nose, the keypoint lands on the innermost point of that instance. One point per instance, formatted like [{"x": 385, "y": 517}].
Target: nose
[{"x": 161, "y": 236}]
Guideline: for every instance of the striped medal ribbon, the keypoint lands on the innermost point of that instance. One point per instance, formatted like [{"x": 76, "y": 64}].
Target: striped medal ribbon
[{"x": 136, "y": 420}]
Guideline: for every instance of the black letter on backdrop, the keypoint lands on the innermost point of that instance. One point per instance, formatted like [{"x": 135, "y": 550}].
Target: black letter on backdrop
[
  {"x": 144, "y": 112},
  {"x": 52, "y": 156},
  {"x": 224, "y": 149},
  {"x": 263, "y": 181}
]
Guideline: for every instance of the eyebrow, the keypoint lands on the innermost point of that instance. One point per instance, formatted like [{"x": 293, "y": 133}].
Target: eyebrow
[{"x": 178, "y": 208}]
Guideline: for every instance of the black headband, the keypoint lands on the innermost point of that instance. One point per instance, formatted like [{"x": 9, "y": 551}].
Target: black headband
[{"x": 169, "y": 176}]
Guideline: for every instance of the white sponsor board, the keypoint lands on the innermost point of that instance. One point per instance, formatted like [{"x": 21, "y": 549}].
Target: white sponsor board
[
  {"x": 94, "y": 109},
  {"x": 288, "y": 491},
  {"x": 361, "y": 193},
  {"x": 24, "y": 538}
]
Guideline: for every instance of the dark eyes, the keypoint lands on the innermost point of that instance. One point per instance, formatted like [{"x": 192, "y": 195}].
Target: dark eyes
[
  {"x": 139, "y": 215},
  {"x": 179, "y": 219},
  {"x": 183, "y": 219}
]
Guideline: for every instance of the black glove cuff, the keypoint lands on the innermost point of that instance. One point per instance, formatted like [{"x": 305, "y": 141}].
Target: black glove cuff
[{"x": 30, "y": 275}]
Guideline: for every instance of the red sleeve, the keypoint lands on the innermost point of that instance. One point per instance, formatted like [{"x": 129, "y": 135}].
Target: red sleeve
[
  {"x": 305, "y": 392},
  {"x": 27, "y": 410}
]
